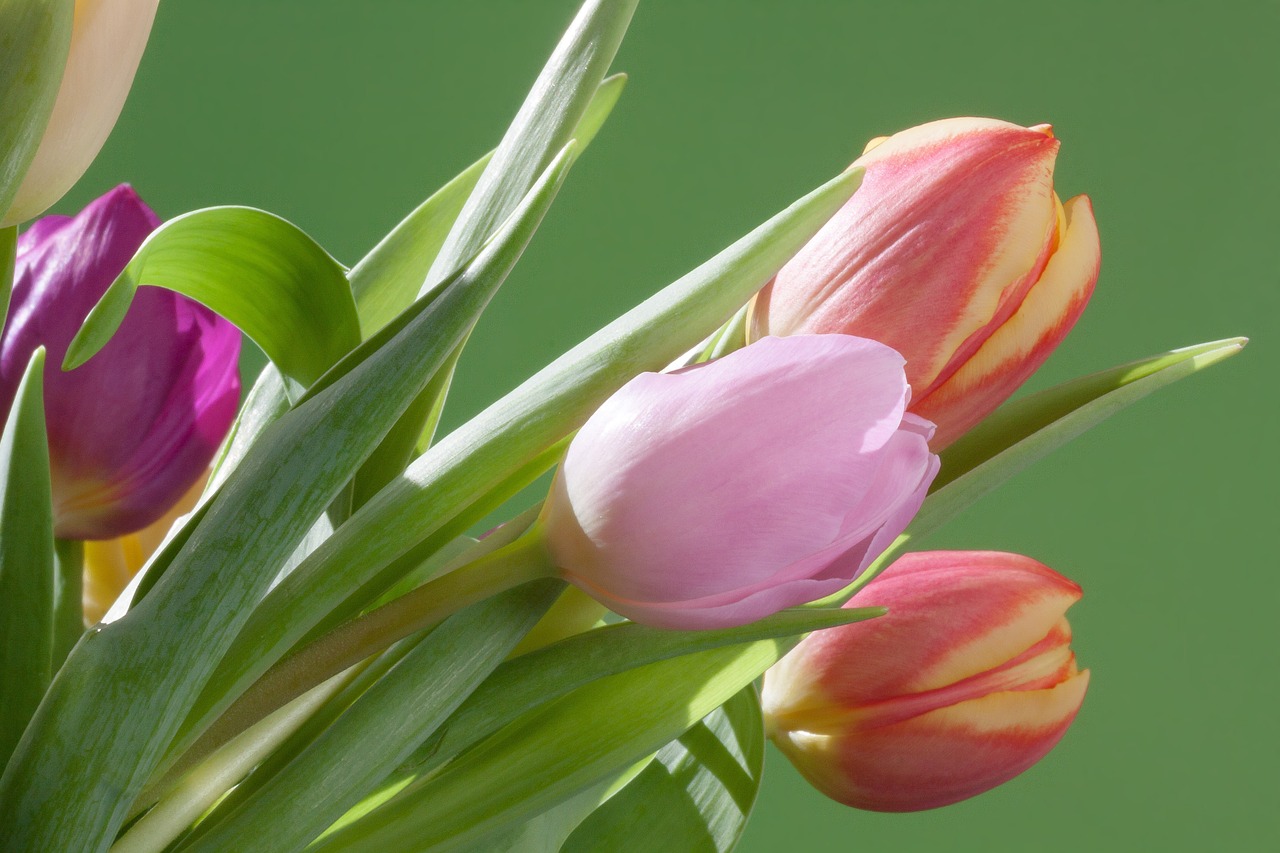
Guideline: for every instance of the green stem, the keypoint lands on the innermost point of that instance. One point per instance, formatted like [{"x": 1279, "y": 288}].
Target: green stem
[
  {"x": 8, "y": 258},
  {"x": 523, "y": 560},
  {"x": 68, "y": 597}
]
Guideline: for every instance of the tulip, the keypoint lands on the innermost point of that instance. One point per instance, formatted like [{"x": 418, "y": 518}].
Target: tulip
[
  {"x": 957, "y": 253},
  {"x": 107, "y": 40},
  {"x": 134, "y": 427},
  {"x": 722, "y": 493},
  {"x": 965, "y": 683}
]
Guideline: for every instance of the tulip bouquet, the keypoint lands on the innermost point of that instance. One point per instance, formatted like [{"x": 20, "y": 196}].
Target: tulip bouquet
[{"x": 264, "y": 624}]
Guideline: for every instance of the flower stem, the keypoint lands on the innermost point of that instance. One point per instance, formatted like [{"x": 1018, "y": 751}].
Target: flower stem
[{"x": 68, "y": 617}]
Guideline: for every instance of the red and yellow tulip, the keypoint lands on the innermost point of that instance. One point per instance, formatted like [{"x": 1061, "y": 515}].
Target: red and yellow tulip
[
  {"x": 957, "y": 253},
  {"x": 965, "y": 683}
]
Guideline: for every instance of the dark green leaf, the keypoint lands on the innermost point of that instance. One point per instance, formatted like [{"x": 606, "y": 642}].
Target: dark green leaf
[{"x": 27, "y": 575}]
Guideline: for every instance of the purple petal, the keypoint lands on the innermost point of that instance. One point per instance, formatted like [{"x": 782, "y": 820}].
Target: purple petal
[{"x": 132, "y": 429}]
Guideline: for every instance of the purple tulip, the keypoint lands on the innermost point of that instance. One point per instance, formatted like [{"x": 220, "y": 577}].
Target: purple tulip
[
  {"x": 132, "y": 429},
  {"x": 719, "y": 494}
]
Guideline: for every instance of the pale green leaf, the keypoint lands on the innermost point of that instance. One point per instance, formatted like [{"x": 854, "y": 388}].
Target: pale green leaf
[{"x": 557, "y": 751}]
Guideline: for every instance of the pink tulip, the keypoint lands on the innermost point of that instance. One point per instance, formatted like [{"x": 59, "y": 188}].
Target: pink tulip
[
  {"x": 965, "y": 683},
  {"x": 722, "y": 493},
  {"x": 136, "y": 425},
  {"x": 957, "y": 253}
]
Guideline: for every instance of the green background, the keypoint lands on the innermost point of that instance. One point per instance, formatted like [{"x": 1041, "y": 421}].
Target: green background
[{"x": 343, "y": 115}]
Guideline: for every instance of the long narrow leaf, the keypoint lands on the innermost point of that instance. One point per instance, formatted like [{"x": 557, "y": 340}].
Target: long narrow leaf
[
  {"x": 27, "y": 592},
  {"x": 530, "y": 681},
  {"x": 544, "y": 124},
  {"x": 142, "y": 672},
  {"x": 1032, "y": 428},
  {"x": 386, "y": 281},
  {"x": 8, "y": 255}
]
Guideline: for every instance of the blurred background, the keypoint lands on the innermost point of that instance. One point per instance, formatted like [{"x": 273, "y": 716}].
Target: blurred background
[{"x": 343, "y": 115}]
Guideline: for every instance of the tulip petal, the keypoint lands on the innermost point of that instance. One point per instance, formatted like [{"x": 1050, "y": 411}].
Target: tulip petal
[{"x": 1017, "y": 348}]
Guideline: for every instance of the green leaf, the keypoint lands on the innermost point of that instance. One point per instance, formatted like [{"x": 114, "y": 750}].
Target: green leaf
[
  {"x": 143, "y": 672},
  {"x": 382, "y": 727},
  {"x": 27, "y": 575},
  {"x": 258, "y": 271},
  {"x": 545, "y": 832},
  {"x": 696, "y": 795},
  {"x": 68, "y": 598},
  {"x": 408, "y": 262},
  {"x": 1031, "y": 428},
  {"x": 35, "y": 37},
  {"x": 552, "y": 753}
]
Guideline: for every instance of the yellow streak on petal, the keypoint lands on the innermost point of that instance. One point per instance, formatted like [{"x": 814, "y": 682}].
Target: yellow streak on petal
[
  {"x": 1001, "y": 644},
  {"x": 1015, "y": 710}
]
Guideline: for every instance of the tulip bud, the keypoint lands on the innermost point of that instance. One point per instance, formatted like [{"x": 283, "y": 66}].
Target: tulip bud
[
  {"x": 134, "y": 427},
  {"x": 719, "y": 494},
  {"x": 956, "y": 252},
  {"x": 965, "y": 683},
  {"x": 107, "y": 40}
]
